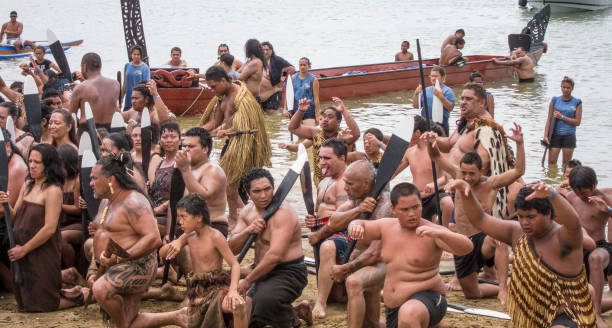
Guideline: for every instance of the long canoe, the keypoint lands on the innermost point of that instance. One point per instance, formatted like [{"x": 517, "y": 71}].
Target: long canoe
[
  {"x": 7, "y": 52},
  {"x": 353, "y": 81}
]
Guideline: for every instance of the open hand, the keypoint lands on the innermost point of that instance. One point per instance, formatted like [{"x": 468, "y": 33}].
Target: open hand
[
  {"x": 601, "y": 204},
  {"x": 173, "y": 249},
  {"x": 540, "y": 190},
  {"x": 517, "y": 134},
  {"x": 304, "y": 105},
  {"x": 339, "y": 104},
  {"x": 458, "y": 186}
]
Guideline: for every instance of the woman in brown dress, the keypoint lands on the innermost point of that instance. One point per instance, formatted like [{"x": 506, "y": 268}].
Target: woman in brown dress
[{"x": 37, "y": 235}]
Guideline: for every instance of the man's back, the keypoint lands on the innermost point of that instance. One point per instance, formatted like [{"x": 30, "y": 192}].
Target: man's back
[{"x": 102, "y": 95}]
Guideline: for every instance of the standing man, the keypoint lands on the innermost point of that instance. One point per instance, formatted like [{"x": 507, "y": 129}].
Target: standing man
[
  {"x": 100, "y": 92},
  {"x": 451, "y": 53},
  {"x": 460, "y": 33},
  {"x": 593, "y": 204},
  {"x": 279, "y": 274},
  {"x": 236, "y": 111},
  {"x": 13, "y": 30},
  {"x": 175, "y": 58},
  {"x": 445, "y": 94},
  {"x": 252, "y": 71},
  {"x": 203, "y": 177},
  {"x": 329, "y": 127},
  {"x": 523, "y": 63},
  {"x": 129, "y": 221},
  {"x": 224, "y": 49},
  {"x": 548, "y": 286},
  {"x": 271, "y": 85},
  {"x": 331, "y": 194},
  {"x": 404, "y": 54},
  {"x": 414, "y": 291}
]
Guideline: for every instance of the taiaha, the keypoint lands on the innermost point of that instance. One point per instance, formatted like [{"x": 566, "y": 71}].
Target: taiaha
[
  {"x": 91, "y": 128},
  {"x": 177, "y": 189},
  {"x": 145, "y": 137},
  {"x": 59, "y": 55},
  {"x": 32, "y": 106},
  {"x": 397, "y": 146},
  {"x": 4, "y": 172},
  {"x": 433, "y": 164},
  {"x": 280, "y": 194},
  {"x": 117, "y": 123}
]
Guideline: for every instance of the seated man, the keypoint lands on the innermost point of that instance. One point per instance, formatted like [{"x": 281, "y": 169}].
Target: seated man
[
  {"x": 404, "y": 54},
  {"x": 414, "y": 290},
  {"x": 451, "y": 53},
  {"x": 279, "y": 274},
  {"x": 13, "y": 30},
  {"x": 212, "y": 291}
]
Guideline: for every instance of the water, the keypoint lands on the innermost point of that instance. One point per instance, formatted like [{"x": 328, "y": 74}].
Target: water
[{"x": 358, "y": 32}]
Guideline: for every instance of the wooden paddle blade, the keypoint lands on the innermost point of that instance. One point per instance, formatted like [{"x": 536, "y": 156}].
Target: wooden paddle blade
[
  {"x": 113, "y": 248},
  {"x": 59, "y": 55},
  {"x": 91, "y": 128},
  {"x": 146, "y": 139},
  {"x": 118, "y": 123},
  {"x": 405, "y": 128},
  {"x": 84, "y": 143},
  {"x": 10, "y": 127},
  {"x": 306, "y": 184},
  {"x": 437, "y": 111},
  {"x": 388, "y": 164},
  {"x": 87, "y": 163},
  {"x": 289, "y": 93},
  {"x": 32, "y": 106}
]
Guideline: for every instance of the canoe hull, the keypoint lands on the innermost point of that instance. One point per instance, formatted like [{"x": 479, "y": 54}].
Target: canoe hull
[
  {"x": 567, "y": 6},
  {"x": 26, "y": 51}
]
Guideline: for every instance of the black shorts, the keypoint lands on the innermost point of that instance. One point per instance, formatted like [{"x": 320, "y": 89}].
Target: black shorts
[
  {"x": 221, "y": 226},
  {"x": 473, "y": 262},
  {"x": 429, "y": 205},
  {"x": 564, "y": 320},
  {"x": 599, "y": 244},
  {"x": 567, "y": 141},
  {"x": 434, "y": 301},
  {"x": 530, "y": 79},
  {"x": 273, "y": 102}
]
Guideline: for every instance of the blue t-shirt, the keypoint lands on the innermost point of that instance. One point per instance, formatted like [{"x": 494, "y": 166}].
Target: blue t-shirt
[
  {"x": 303, "y": 89},
  {"x": 448, "y": 94},
  {"x": 133, "y": 75},
  {"x": 233, "y": 73},
  {"x": 568, "y": 109}
]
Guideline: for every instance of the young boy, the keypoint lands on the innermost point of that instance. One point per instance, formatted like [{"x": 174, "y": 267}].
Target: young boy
[{"x": 210, "y": 289}]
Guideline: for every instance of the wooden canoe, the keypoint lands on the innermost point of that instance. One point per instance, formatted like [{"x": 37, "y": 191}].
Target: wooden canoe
[
  {"x": 353, "y": 81},
  {"x": 7, "y": 51}
]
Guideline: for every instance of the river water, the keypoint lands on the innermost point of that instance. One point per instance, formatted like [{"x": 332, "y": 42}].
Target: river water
[{"x": 358, "y": 32}]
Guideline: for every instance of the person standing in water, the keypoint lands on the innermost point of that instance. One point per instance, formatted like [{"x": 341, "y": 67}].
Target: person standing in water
[{"x": 133, "y": 72}]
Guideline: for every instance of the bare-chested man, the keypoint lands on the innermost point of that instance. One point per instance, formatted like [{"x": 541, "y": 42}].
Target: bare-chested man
[
  {"x": 414, "y": 291},
  {"x": 593, "y": 207},
  {"x": 224, "y": 49},
  {"x": 175, "y": 58},
  {"x": 127, "y": 219},
  {"x": 13, "y": 30},
  {"x": 23, "y": 140},
  {"x": 235, "y": 109},
  {"x": 252, "y": 71},
  {"x": 203, "y": 177},
  {"x": 485, "y": 189},
  {"x": 365, "y": 271},
  {"x": 523, "y": 64},
  {"x": 279, "y": 274},
  {"x": 460, "y": 33},
  {"x": 451, "y": 53},
  {"x": 100, "y": 92},
  {"x": 404, "y": 54},
  {"x": 330, "y": 195}
]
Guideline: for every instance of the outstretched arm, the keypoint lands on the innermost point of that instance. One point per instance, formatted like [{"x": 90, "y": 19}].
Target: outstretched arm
[
  {"x": 295, "y": 126},
  {"x": 434, "y": 153},
  {"x": 350, "y": 122},
  {"x": 447, "y": 240}
]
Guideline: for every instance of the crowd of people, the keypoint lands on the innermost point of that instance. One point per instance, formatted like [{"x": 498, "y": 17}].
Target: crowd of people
[{"x": 479, "y": 208}]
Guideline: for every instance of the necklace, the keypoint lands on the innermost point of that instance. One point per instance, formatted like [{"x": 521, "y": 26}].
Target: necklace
[{"x": 376, "y": 158}]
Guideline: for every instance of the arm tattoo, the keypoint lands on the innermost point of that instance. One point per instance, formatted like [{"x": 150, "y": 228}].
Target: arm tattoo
[
  {"x": 134, "y": 208},
  {"x": 355, "y": 265}
]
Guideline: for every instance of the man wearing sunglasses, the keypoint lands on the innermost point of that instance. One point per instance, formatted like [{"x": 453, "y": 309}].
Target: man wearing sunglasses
[{"x": 13, "y": 30}]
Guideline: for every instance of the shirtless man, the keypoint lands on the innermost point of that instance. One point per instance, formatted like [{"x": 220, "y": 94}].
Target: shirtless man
[
  {"x": 523, "y": 63},
  {"x": 23, "y": 140},
  {"x": 224, "y": 49},
  {"x": 330, "y": 195},
  {"x": 414, "y": 291},
  {"x": 127, "y": 219},
  {"x": 100, "y": 92},
  {"x": 451, "y": 52},
  {"x": 460, "y": 33},
  {"x": 547, "y": 253},
  {"x": 419, "y": 161},
  {"x": 279, "y": 274},
  {"x": 203, "y": 177},
  {"x": 13, "y": 30},
  {"x": 252, "y": 71},
  {"x": 364, "y": 270},
  {"x": 593, "y": 206},
  {"x": 175, "y": 58},
  {"x": 485, "y": 189},
  {"x": 404, "y": 54}
]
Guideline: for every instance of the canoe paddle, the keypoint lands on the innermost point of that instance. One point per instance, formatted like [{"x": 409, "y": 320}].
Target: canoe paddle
[
  {"x": 4, "y": 172},
  {"x": 59, "y": 55},
  {"x": 280, "y": 194},
  {"x": 306, "y": 184},
  {"x": 87, "y": 163},
  {"x": 551, "y": 130},
  {"x": 145, "y": 137},
  {"x": 32, "y": 106},
  {"x": 289, "y": 98},
  {"x": 117, "y": 123},
  {"x": 119, "y": 80},
  {"x": 397, "y": 146},
  {"x": 10, "y": 127},
  {"x": 437, "y": 110},
  {"x": 177, "y": 189},
  {"x": 477, "y": 311},
  {"x": 91, "y": 129},
  {"x": 433, "y": 164}
]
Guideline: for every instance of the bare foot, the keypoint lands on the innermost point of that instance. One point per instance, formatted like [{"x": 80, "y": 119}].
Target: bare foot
[
  {"x": 168, "y": 292},
  {"x": 502, "y": 296},
  {"x": 182, "y": 317},
  {"x": 304, "y": 313},
  {"x": 318, "y": 312},
  {"x": 454, "y": 284},
  {"x": 488, "y": 273},
  {"x": 72, "y": 276}
]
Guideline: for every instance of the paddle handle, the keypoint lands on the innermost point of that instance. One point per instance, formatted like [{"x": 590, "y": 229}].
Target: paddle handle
[
  {"x": 9, "y": 227},
  {"x": 246, "y": 247},
  {"x": 119, "y": 80},
  {"x": 353, "y": 243},
  {"x": 85, "y": 234}
]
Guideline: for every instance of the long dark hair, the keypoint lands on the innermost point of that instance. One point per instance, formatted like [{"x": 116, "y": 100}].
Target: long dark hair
[
  {"x": 144, "y": 91},
  {"x": 68, "y": 120},
  {"x": 14, "y": 149},
  {"x": 117, "y": 166},
  {"x": 253, "y": 48},
  {"x": 70, "y": 160},
  {"x": 54, "y": 175}
]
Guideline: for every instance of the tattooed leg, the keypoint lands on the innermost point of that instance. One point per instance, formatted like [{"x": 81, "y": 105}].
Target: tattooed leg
[{"x": 366, "y": 280}]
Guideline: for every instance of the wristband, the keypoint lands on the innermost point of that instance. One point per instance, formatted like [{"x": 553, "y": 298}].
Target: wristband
[
  {"x": 156, "y": 97},
  {"x": 609, "y": 210},
  {"x": 562, "y": 117},
  {"x": 553, "y": 194},
  {"x": 380, "y": 144}
]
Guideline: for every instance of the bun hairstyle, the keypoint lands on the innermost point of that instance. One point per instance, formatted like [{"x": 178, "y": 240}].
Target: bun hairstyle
[{"x": 117, "y": 166}]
